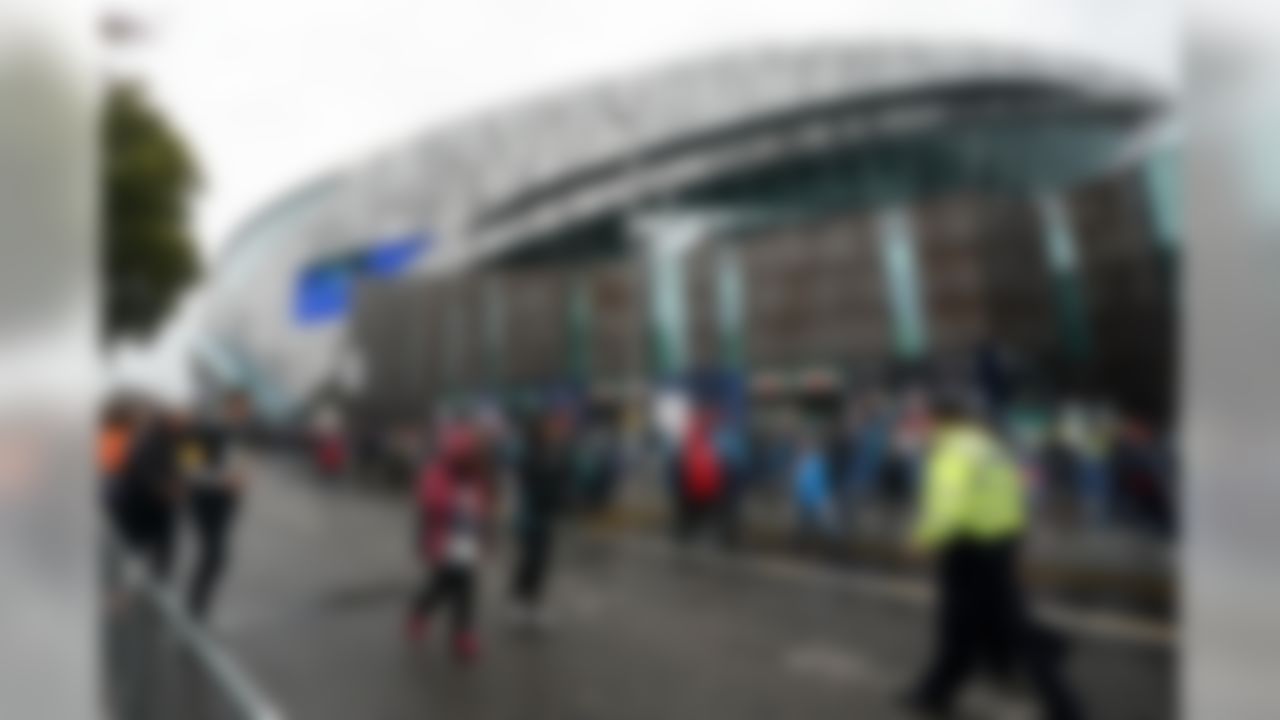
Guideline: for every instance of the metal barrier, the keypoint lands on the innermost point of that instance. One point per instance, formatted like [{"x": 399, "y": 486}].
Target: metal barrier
[{"x": 158, "y": 664}]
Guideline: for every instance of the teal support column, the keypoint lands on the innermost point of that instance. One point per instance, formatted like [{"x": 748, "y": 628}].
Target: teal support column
[
  {"x": 901, "y": 271},
  {"x": 494, "y": 334},
  {"x": 1060, "y": 247},
  {"x": 666, "y": 243},
  {"x": 580, "y": 327},
  {"x": 731, "y": 306},
  {"x": 669, "y": 321},
  {"x": 1162, "y": 177}
]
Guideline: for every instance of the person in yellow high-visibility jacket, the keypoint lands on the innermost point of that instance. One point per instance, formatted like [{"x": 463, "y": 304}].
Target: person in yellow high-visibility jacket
[
  {"x": 973, "y": 490},
  {"x": 971, "y": 517}
]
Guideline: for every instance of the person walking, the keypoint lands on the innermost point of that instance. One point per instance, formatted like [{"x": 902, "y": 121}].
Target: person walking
[
  {"x": 115, "y": 441},
  {"x": 912, "y": 430},
  {"x": 701, "y": 477},
  {"x": 454, "y": 500},
  {"x": 544, "y": 472},
  {"x": 1086, "y": 430},
  {"x": 733, "y": 448},
  {"x": 148, "y": 488},
  {"x": 216, "y": 483},
  {"x": 972, "y": 517},
  {"x": 869, "y": 444},
  {"x": 811, "y": 483},
  {"x": 328, "y": 446},
  {"x": 116, "y": 436},
  {"x": 598, "y": 464}
]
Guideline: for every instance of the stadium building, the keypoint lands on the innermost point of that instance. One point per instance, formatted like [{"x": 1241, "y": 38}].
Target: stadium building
[{"x": 805, "y": 219}]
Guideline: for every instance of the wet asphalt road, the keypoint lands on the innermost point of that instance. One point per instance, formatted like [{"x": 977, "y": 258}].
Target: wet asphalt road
[{"x": 315, "y": 598}]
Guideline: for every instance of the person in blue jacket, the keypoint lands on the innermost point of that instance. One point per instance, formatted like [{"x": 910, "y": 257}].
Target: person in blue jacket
[{"x": 811, "y": 485}]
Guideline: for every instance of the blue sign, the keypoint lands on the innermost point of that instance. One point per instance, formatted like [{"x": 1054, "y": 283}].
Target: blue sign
[
  {"x": 393, "y": 257},
  {"x": 325, "y": 289},
  {"x": 323, "y": 293}
]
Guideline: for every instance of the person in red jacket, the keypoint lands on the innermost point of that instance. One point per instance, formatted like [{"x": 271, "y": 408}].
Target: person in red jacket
[
  {"x": 455, "y": 506},
  {"x": 701, "y": 476},
  {"x": 330, "y": 454}
]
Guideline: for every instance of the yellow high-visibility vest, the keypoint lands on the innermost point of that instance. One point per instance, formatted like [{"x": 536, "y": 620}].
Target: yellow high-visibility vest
[{"x": 972, "y": 490}]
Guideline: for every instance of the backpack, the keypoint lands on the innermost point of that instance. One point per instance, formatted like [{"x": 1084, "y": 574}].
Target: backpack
[{"x": 703, "y": 475}]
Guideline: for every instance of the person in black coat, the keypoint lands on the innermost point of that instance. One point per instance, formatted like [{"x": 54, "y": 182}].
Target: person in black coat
[
  {"x": 148, "y": 490},
  {"x": 544, "y": 473}
]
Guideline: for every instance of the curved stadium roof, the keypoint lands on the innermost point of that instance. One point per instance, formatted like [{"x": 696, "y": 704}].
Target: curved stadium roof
[
  {"x": 491, "y": 183},
  {"x": 806, "y": 128}
]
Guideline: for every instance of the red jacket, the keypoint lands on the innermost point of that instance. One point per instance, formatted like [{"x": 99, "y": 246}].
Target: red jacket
[
  {"x": 702, "y": 473},
  {"x": 437, "y": 496},
  {"x": 331, "y": 452}
]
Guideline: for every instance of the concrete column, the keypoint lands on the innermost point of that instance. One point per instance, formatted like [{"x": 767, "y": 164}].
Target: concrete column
[
  {"x": 666, "y": 243},
  {"x": 1060, "y": 247},
  {"x": 731, "y": 306},
  {"x": 901, "y": 271},
  {"x": 1162, "y": 179}
]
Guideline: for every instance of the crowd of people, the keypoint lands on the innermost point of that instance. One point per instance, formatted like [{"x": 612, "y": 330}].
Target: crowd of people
[
  {"x": 972, "y": 505},
  {"x": 473, "y": 458},
  {"x": 973, "y": 476},
  {"x": 969, "y": 478},
  {"x": 1076, "y": 463},
  {"x": 1084, "y": 466},
  {"x": 162, "y": 467}
]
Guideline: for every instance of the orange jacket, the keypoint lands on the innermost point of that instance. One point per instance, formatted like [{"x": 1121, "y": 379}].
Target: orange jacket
[{"x": 114, "y": 443}]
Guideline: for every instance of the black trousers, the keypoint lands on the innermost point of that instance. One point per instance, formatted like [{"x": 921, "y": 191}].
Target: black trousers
[
  {"x": 693, "y": 516},
  {"x": 148, "y": 527},
  {"x": 213, "y": 511},
  {"x": 452, "y": 584},
  {"x": 983, "y": 621},
  {"x": 533, "y": 564}
]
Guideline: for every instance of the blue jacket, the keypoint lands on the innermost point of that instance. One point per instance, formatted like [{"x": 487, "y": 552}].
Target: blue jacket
[
  {"x": 812, "y": 485},
  {"x": 870, "y": 445}
]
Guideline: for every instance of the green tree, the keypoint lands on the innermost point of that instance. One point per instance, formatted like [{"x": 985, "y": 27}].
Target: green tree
[{"x": 149, "y": 177}]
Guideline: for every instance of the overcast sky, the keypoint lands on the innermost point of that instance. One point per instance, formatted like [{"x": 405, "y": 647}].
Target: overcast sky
[{"x": 271, "y": 92}]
